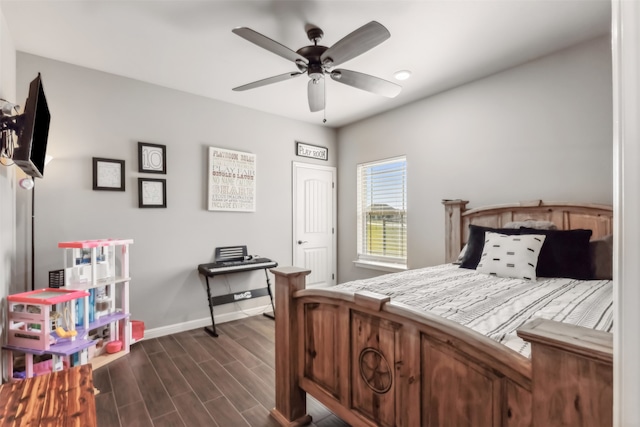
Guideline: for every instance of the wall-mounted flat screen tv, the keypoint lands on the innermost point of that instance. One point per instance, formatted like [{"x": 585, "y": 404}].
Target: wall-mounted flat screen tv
[{"x": 33, "y": 131}]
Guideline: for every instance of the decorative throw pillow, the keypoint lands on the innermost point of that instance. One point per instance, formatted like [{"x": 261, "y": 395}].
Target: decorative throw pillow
[
  {"x": 565, "y": 253},
  {"x": 530, "y": 223},
  {"x": 511, "y": 256},
  {"x": 475, "y": 243},
  {"x": 458, "y": 261},
  {"x": 601, "y": 251}
]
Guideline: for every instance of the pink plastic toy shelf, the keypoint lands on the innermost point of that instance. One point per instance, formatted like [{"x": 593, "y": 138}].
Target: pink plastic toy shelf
[
  {"x": 82, "y": 244},
  {"x": 47, "y": 296}
]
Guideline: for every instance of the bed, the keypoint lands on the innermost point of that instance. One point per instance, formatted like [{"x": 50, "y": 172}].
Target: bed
[{"x": 378, "y": 355}]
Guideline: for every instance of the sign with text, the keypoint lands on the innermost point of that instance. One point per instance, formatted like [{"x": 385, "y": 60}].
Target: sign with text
[
  {"x": 313, "y": 151},
  {"x": 232, "y": 180}
]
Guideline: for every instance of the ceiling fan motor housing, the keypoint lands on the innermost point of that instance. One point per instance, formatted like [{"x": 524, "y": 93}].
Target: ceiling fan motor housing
[{"x": 315, "y": 69}]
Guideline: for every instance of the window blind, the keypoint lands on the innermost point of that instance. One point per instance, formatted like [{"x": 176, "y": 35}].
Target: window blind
[{"x": 382, "y": 211}]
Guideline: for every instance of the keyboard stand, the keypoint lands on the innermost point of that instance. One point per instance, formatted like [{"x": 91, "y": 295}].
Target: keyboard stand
[{"x": 210, "y": 271}]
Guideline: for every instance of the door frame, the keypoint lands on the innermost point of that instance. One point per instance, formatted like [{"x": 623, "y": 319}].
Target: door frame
[{"x": 334, "y": 211}]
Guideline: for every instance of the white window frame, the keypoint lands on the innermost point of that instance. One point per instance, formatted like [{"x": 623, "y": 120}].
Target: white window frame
[{"x": 396, "y": 198}]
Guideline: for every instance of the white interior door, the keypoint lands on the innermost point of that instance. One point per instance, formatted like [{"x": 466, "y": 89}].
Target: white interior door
[{"x": 314, "y": 219}]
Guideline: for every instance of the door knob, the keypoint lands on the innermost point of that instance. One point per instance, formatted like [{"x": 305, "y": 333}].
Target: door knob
[{"x": 302, "y": 241}]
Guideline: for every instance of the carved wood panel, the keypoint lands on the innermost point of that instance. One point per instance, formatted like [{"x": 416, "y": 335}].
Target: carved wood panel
[
  {"x": 373, "y": 344},
  {"x": 456, "y": 392},
  {"x": 321, "y": 347},
  {"x": 518, "y": 406}
]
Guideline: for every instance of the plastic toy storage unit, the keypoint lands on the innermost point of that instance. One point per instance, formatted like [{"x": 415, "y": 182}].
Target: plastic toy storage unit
[
  {"x": 31, "y": 325},
  {"x": 101, "y": 267}
]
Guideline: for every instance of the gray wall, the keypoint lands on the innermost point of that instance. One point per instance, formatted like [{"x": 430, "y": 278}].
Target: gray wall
[
  {"x": 95, "y": 114},
  {"x": 538, "y": 131}
]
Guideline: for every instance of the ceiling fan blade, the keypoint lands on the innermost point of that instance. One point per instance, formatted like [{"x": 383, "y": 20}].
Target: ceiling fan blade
[
  {"x": 268, "y": 44},
  {"x": 366, "y": 82},
  {"x": 268, "y": 81},
  {"x": 358, "y": 42},
  {"x": 315, "y": 90}
]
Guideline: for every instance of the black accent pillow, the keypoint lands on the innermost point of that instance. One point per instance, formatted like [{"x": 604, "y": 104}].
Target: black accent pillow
[
  {"x": 475, "y": 243},
  {"x": 565, "y": 253}
]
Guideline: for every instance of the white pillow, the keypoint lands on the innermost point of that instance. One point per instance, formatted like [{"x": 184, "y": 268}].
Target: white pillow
[
  {"x": 458, "y": 260},
  {"x": 511, "y": 256}
]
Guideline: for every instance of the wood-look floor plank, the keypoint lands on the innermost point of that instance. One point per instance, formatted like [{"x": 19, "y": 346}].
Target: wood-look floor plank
[
  {"x": 169, "y": 373},
  {"x": 225, "y": 413},
  {"x": 259, "y": 389},
  {"x": 316, "y": 409},
  {"x": 191, "y": 346},
  {"x": 201, "y": 384},
  {"x": 171, "y": 346},
  {"x": 229, "y": 330},
  {"x": 264, "y": 326},
  {"x": 106, "y": 410},
  {"x": 266, "y": 374},
  {"x": 229, "y": 386},
  {"x": 134, "y": 415},
  {"x": 239, "y": 352},
  {"x": 192, "y": 411},
  {"x": 258, "y": 416},
  {"x": 101, "y": 379},
  {"x": 152, "y": 345},
  {"x": 256, "y": 337},
  {"x": 172, "y": 419},
  {"x": 137, "y": 356},
  {"x": 215, "y": 349},
  {"x": 267, "y": 356},
  {"x": 124, "y": 385},
  {"x": 156, "y": 398},
  {"x": 331, "y": 421}
]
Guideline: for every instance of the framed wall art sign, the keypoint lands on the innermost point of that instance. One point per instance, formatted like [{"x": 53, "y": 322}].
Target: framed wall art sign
[
  {"x": 152, "y": 158},
  {"x": 312, "y": 151},
  {"x": 152, "y": 193},
  {"x": 232, "y": 180},
  {"x": 108, "y": 174}
]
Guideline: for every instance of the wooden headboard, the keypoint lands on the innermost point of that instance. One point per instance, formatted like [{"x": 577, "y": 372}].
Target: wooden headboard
[{"x": 566, "y": 216}]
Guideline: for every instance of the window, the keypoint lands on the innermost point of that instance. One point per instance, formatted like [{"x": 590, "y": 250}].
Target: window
[{"x": 382, "y": 212}]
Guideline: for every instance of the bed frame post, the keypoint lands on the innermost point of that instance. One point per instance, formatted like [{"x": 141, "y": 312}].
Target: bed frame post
[
  {"x": 291, "y": 400},
  {"x": 453, "y": 228}
]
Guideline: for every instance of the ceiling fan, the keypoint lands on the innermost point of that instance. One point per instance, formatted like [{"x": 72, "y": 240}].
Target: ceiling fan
[{"x": 317, "y": 61}]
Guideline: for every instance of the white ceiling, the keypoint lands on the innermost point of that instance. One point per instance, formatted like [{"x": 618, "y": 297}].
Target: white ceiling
[{"x": 189, "y": 46}]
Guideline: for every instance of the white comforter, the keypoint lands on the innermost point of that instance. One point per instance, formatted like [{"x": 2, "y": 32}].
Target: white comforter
[{"x": 496, "y": 307}]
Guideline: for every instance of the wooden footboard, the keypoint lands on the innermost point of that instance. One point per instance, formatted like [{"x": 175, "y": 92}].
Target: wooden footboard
[{"x": 377, "y": 363}]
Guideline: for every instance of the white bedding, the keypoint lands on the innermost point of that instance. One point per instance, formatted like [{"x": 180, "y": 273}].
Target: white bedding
[{"x": 493, "y": 306}]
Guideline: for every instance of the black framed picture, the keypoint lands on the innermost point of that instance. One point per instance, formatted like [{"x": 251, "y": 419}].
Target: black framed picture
[
  {"x": 152, "y": 193},
  {"x": 108, "y": 174},
  {"x": 152, "y": 158}
]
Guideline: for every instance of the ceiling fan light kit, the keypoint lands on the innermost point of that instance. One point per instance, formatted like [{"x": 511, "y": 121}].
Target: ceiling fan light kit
[{"x": 317, "y": 61}]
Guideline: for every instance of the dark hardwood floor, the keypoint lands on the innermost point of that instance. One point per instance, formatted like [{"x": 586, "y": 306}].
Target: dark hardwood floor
[{"x": 192, "y": 379}]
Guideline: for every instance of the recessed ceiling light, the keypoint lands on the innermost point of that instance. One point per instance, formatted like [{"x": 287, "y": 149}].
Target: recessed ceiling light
[{"x": 402, "y": 74}]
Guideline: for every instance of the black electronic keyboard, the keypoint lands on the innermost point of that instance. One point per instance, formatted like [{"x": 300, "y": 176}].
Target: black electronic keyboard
[
  {"x": 222, "y": 267},
  {"x": 234, "y": 259}
]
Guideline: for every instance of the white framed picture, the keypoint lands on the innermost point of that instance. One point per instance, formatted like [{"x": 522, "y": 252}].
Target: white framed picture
[{"x": 232, "y": 180}]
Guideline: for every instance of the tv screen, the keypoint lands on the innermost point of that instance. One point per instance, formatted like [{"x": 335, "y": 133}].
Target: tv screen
[{"x": 33, "y": 131}]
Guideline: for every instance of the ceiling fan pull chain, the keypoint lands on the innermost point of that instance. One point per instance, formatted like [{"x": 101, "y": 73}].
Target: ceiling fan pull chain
[{"x": 324, "y": 110}]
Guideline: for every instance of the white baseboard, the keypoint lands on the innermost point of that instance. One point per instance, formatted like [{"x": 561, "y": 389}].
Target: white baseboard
[{"x": 201, "y": 323}]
